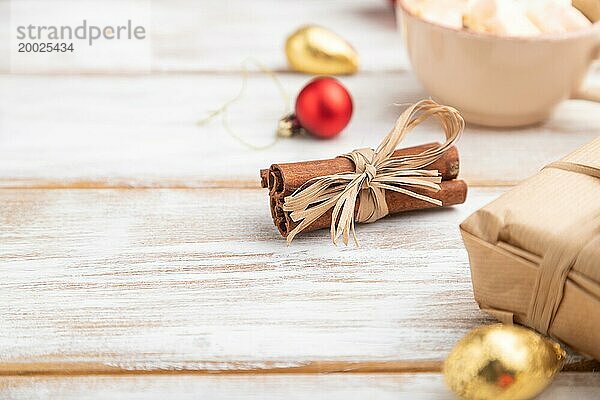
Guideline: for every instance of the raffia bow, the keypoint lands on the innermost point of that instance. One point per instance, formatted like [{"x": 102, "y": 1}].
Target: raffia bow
[{"x": 375, "y": 172}]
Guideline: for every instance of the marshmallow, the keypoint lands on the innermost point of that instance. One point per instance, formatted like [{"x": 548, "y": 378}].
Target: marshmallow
[
  {"x": 555, "y": 15},
  {"x": 443, "y": 12},
  {"x": 500, "y": 17}
]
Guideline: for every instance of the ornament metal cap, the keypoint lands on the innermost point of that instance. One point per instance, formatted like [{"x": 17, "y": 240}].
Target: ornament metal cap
[{"x": 289, "y": 126}]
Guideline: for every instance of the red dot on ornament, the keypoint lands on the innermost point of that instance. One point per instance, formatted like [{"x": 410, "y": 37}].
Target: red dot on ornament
[
  {"x": 324, "y": 107},
  {"x": 505, "y": 380}
]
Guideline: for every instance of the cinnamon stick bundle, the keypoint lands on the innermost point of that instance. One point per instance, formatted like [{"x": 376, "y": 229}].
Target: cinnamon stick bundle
[{"x": 284, "y": 179}]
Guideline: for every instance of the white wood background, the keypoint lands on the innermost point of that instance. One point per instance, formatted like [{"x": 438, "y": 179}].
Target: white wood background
[
  {"x": 407, "y": 386},
  {"x": 133, "y": 242}
]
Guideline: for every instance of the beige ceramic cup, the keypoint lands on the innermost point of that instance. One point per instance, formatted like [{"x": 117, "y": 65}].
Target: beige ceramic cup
[{"x": 499, "y": 81}]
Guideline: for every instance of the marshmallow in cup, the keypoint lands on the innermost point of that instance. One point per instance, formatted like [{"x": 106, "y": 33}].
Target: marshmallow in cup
[{"x": 496, "y": 63}]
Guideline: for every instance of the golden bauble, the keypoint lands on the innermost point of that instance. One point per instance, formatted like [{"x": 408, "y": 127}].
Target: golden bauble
[
  {"x": 502, "y": 362},
  {"x": 589, "y": 8},
  {"x": 316, "y": 50}
]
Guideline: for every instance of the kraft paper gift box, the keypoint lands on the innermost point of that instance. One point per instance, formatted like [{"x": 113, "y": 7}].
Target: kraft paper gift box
[{"x": 535, "y": 252}]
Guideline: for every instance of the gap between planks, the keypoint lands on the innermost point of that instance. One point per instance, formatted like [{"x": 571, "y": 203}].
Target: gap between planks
[
  {"x": 244, "y": 368},
  {"x": 173, "y": 184},
  {"x": 200, "y": 72},
  {"x": 211, "y": 368}
]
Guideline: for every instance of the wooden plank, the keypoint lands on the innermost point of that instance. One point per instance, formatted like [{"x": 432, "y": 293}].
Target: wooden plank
[
  {"x": 5, "y": 33},
  {"x": 192, "y": 36},
  {"x": 331, "y": 386},
  {"x": 98, "y": 280},
  {"x": 187, "y": 35},
  {"x": 73, "y": 131}
]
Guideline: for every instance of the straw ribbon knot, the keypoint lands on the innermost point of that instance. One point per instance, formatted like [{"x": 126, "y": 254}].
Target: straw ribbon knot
[
  {"x": 375, "y": 172},
  {"x": 370, "y": 172}
]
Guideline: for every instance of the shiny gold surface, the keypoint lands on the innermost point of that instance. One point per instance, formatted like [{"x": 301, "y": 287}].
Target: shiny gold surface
[
  {"x": 316, "y": 50},
  {"x": 502, "y": 362},
  {"x": 589, "y": 8}
]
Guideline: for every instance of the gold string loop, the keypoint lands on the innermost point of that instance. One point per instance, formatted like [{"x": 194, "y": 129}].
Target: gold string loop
[
  {"x": 223, "y": 111},
  {"x": 375, "y": 172}
]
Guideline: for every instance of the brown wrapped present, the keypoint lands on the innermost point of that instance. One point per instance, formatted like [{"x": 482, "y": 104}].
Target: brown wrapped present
[{"x": 535, "y": 252}]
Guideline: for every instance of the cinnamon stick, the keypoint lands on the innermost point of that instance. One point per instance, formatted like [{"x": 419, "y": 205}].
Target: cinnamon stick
[
  {"x": 286, "y": 178},
  {"x": 283, "y": 179},
  {"x": 453, "y": 192}
]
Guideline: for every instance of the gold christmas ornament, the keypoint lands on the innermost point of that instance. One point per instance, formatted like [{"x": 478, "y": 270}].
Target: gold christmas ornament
[
  {"x": 315, "y": 50},
  {"x": 589, "y": 8},
  {"x": 502, "y": 362}
]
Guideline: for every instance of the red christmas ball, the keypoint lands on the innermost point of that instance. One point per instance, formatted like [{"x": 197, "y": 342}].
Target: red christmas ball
[{"x": 324, "y": 107}]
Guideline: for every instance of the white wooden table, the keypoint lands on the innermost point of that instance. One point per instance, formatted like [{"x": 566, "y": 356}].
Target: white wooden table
[{"x": 137, "y": 253}]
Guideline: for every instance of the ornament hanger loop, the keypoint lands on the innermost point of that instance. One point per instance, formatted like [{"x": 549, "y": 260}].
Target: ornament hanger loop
[{"x": 223, "y": 111}]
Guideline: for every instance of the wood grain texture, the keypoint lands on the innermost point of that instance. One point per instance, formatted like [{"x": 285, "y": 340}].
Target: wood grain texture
[
  {"x": 5, "y": 33},
  {"x": 217, "y": 35},
  {"x": 200, "y": 279},
  {"x": 73, "y": 131},
  {"x": 165, "y": 282},
  {"x": 428, "y": 386},
  {"x": 98, "y": 281},
  {"x": 196, "y": 42}
]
